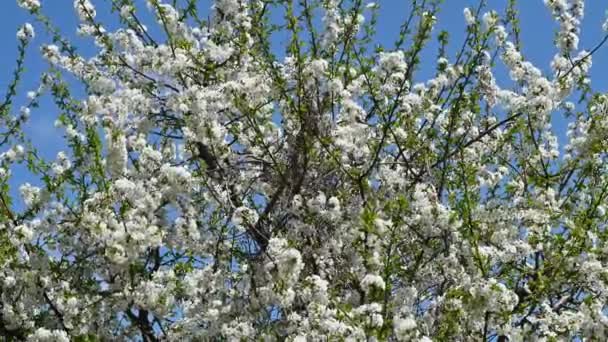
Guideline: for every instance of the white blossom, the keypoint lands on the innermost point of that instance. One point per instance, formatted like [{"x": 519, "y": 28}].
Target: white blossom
[
  {"x": 26, "y": 32},
  {"x": 469, "y": 18},
  {"x": 29, "y": 5}
]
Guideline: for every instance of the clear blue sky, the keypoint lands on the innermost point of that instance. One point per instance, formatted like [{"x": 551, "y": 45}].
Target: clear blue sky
[{"x": 537, "y": 33}]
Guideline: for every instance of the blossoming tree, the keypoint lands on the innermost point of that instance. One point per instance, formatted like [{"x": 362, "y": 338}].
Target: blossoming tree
[{"x": 212, "y": 190}]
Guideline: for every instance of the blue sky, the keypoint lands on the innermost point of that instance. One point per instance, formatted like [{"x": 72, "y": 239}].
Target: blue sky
[{"x": 537, "y": 33}]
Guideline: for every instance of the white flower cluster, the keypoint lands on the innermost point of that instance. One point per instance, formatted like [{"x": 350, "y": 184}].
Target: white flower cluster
[
  {"x": 30, "y": 5},
  {"x": 569, "y": 14},
  {"x": 26, "y": 32}
]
